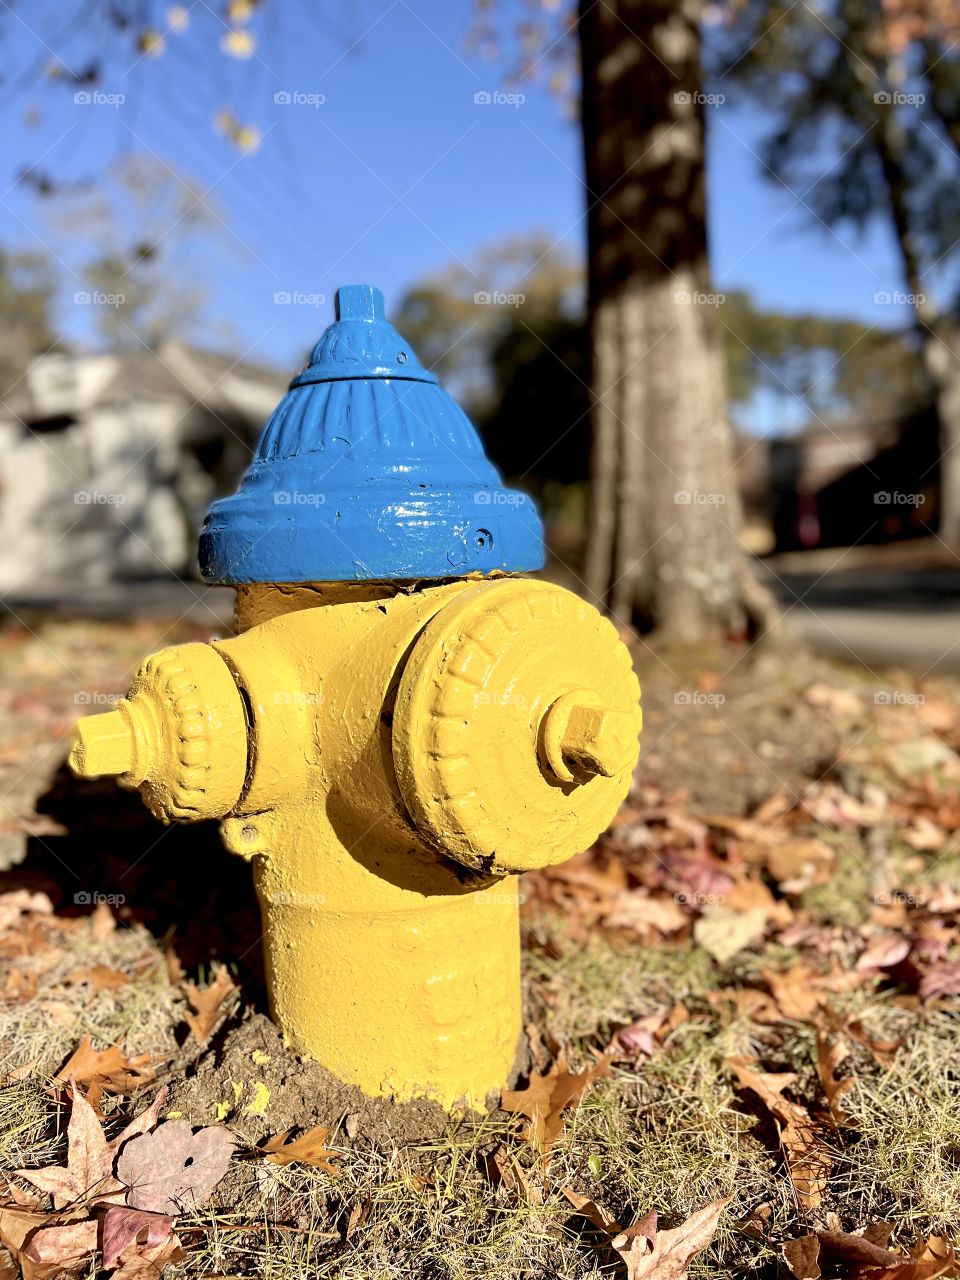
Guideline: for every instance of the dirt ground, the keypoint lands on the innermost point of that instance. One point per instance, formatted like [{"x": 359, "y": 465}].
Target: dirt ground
[{"x": 756, "y": 971}]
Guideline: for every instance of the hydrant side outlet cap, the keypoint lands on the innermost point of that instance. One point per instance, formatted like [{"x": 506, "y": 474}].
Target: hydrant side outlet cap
[{"x": 367, "y": 470}]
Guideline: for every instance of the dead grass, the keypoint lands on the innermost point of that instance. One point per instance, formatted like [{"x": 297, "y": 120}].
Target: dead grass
[{"x": 669, "y": 1133}]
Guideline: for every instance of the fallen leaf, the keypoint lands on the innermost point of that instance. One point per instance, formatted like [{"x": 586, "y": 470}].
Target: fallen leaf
[
  {"x": 123, "y": 1226},
  {"x": 102, "y": 922},
  {"x": 637, "y": 910},
  {"x": 100, "y": 977},
  {"x": 307, "y": 1149},
  {"x": 21, "y": 902},
  {"x": 61, "y": 1249},
  {"x": 149, "y": 1263},
  {"x": 547, "y": 1096},
  {"x": 830, "y": 1054},
  {"x": 636, "y": 1040},
  {"x": 601, "y": 1218},
  {"x": 173, "y": 1169},
  {"x": 884, "y": 953},
  {"x": 940, "y": 981},
  {"x": 106, "y": 1070},
  {"x": 207, "y": 1002},
  {"x": 795, "y": 992},
  {"x": 802, "y": 1257},
  {"x": 87, "y": 1176},
  {"x": 807, "y": 1160},
  {"x": 666, "y": 1255},
  {"x": 725, "y": 933},
  {"x": 839, "y": 702}
]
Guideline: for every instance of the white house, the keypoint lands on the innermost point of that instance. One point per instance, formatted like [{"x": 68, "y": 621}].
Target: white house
[{"x": 108, "y": 461}]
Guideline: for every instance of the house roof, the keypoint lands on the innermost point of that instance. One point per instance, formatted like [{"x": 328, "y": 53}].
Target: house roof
[{"x": 175, "y": 371}]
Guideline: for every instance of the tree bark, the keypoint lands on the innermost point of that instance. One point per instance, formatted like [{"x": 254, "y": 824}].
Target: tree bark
[
  {"x": 663, "y": 537},
  {"x": 939, "y": 335}
]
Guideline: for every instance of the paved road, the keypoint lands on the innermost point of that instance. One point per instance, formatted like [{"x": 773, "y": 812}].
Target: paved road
[{"x": 907, "y": 617}]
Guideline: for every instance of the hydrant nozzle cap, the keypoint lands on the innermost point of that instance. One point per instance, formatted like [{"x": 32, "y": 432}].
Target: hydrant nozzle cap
[{"x": 368, "y": 470}]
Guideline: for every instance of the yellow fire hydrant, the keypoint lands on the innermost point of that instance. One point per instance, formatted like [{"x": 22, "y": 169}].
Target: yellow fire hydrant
[{"x": 401, "y": 725}]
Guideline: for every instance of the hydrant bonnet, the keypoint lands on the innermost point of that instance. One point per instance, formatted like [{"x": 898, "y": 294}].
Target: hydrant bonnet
[{"x": 368, "y": 470}]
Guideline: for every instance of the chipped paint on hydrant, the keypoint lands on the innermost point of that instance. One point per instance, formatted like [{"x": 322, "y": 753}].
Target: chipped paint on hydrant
[{"x": 401, "y": 725}]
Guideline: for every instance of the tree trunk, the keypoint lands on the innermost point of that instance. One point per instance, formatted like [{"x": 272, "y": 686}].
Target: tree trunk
[
  {"x": 663, "y": 541},
  {"x": 939, "y": 336}
]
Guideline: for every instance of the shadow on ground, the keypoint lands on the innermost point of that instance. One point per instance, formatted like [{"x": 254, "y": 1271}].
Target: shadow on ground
[{"x": 178, "y": 881}]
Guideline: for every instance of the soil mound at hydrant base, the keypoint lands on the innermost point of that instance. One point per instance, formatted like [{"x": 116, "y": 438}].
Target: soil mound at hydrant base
[{"x": 260, "y": 1087}]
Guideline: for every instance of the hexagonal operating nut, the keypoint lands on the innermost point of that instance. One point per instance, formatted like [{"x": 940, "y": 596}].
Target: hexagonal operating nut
[
  {"x": 102, "y": 745},
  {"x": 580, "y": 738}
]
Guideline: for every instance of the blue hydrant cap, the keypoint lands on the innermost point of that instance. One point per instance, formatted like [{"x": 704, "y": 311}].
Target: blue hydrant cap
[{"x": 368, "y": 470}]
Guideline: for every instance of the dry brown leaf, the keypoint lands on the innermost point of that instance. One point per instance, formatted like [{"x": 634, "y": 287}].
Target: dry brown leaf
[
  {"x": 752, "y": 894},
  {"x": 148, "y": 1263},
  {"x": 724, "y": 933},
  {"x": 207, "y": 1002},
  {"x": 830, "y": 1054},
  {"x": 106, "y": 1070},
  {"x": 795, "y": 992},
  {"x": 123, "y": 1226},
  {"x": 547, "y": 1096},
  {"x": 102, "y": 922},
  {"x": 100, "y": 978},
  {"x": 802, "y": 1257},
  {"x": 60, "y": 1250},
  {"x": 884, "y": 953},
  {"x": 601, "y": 1218},
  {"x": 515, "y": 1178},
  {"x": 21, "y": 902},
  {"x": 807, "y": 1159},
  {"x": 637, "y": 910},
  {"x": 307, "y": 1149},
  {"x": 650, "y": 1254},
  {"x": 839, "y": 702},
  {"x": 87, "y": 1177},
  {"x": 173, "y": 1170}
]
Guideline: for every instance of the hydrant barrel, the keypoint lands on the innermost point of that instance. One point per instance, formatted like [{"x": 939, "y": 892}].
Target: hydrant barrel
[{"x": 402, "y": 724}]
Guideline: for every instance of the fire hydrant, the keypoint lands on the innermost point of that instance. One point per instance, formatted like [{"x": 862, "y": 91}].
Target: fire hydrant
[{"x": 401, "y": 725}]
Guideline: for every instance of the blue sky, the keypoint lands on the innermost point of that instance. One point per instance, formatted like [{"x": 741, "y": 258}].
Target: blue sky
[{"x": 396, "y": 173}]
